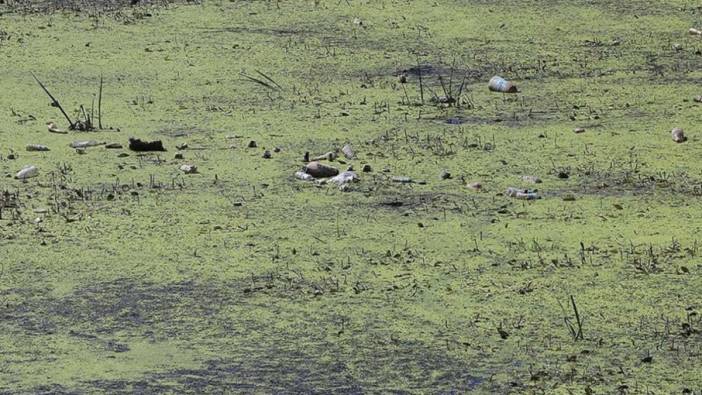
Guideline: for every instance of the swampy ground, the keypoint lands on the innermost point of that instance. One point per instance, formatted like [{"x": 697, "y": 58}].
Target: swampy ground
[{"x": 120, "y": 274}]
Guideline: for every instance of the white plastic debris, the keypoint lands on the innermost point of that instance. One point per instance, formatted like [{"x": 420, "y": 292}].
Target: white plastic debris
[
  {"x": 188, "y": 169},
  {"x": 84, "y": 144},
  {"x": 344, "y": 178},
  {"x": 301, "y": 175},
  {"x": 28, "y": 171},
  {"x": 524, "y": 194}
]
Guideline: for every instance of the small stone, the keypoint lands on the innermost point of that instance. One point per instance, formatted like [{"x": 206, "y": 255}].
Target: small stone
[
  {"x": 445, "y": 175},
  {"x": 349, "y": 168},
  {"x": 677, "y": 47},
  {"x": 678, "y": 135},
  {"x": 37, "y": 147},
  {"x": 402, "y": 78},
  {"x": 80, "y": 151},
  {"x": 367, "y": 168},
  {"x": 267, "y": 154},
  {"x": 182, "y": 146},
  {"x": 301, "y": 175},
  {"x": 319, "y": 170},
  {"x": 122, "y": 155},
  {"x": 276, "y": 149},
  {"x": 306, "y": 158},
  {"x": 579, "y": 130},
  {"x": 11, "y": 156},
  {"x": 252, "y": 144},
  {"x": 698, "y": 99},
  {"x": 563, "y": 175},
  {"x": 569, "y": 198},
  {"x": 113, "y": 146},
  {"x": 178, "y": 155},
  {"x": 188, "y": 169}
]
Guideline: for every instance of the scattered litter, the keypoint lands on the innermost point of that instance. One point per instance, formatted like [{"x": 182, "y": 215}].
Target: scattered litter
[
  {"x": 85, "y": 144},
  {"x": 532, "y": 179},
  {"x": 525, "y": 194},
  {"x": 301, "y": 175},
  {"x": 188, "y": 169},
  {"x": 499, "y": 84},
  {"x": 692, "y": 30},
  {"x": 142, "y": 146},
  {"x": 344, "y": 178},
  {"x": 401, "y": 179},
  {"x": 37, "y": 147},
  {"x": 476, "y": 186},
  {"x": 678, "y": 135},
  {"x": 348, "y": 152},
  {"x": 330, "y": 156},
  {"x": 27, "y": 172},
  {"x": 55, "y": 129},
  {"x": 113, "y": 146},
  {"x": 579, "y": 130},
  {"x": 319, "y": 170}
]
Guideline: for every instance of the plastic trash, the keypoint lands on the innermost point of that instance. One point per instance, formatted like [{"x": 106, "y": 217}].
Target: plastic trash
[
  {"x": 401, "y": 179},
  {"x": 301, "y": 175},
  {"x": 524, "y": 194},
  {"x": 531, "y": 179},
  {"x": 37, "y": 147},
  {"x": 344, "y": 178},
  {"x": 692, "y": 30},
  {"x": 499, "y": 84},
  {"x": 188, "y": 169},
  {"x": 54, "y": 129},
  {"x": 28, "y": 171},
  {"x": 348, "y": 151},
  {"x": 84, "y": 144},
  {"x": 330, "y": 156}
]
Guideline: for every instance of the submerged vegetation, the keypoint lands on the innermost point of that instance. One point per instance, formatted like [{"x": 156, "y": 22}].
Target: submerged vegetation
[{"x": 120, "y": 271}]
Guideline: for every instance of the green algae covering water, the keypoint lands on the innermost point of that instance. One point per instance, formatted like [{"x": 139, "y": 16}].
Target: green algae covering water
[{"x": 119, "y": 273}]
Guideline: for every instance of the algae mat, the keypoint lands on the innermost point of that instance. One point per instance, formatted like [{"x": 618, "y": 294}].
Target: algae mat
[{"x": 121, "y": 274}]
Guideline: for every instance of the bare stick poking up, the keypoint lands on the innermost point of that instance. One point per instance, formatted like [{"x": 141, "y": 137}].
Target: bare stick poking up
[
  {"x": 100, "y": 104},
  {"x": 54, "y": 102}
]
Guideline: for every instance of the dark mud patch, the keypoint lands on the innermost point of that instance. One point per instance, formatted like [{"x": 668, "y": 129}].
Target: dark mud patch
[
  {"x": 290, "y": 353},
  {"x": 282, "y": 364},
  {"x": 80, "y": 6}
]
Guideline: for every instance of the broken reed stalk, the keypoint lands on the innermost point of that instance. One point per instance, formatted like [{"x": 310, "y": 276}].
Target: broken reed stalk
[
  {"x": 421, "y": 84},
  {"x": 100, "y": 104},
  {"x": 54, "y": 102},
  {"x": 577, "y": 334}
]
